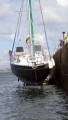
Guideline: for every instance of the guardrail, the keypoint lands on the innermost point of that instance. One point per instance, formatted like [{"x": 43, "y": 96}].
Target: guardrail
[
  {"x": 34, "y": 61},
  {"x": 55, "y": 49}
]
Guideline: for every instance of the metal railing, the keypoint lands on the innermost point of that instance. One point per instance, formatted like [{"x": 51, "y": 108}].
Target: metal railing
[{"x": 38, "y": 60}]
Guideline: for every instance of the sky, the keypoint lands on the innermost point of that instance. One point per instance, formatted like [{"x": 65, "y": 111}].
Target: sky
[{"x": 55, "y": 14}]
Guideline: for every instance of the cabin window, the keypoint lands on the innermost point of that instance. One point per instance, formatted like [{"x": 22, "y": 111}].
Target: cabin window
[
  {"x": 37, "y": 47},
  {"x": 19, "y": 49}
]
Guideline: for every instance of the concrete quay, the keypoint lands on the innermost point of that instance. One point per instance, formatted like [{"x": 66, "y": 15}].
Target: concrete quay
[{"x": 59, "y": 73}]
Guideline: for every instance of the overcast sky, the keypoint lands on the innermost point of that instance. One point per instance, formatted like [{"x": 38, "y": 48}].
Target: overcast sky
[{"x": 55, "y": 13}]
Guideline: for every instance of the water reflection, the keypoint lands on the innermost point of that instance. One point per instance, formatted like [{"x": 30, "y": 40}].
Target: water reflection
[
  {"x": 34, "y": 92},
  {"x": 53, "y": 101},
  {"x": 31, "y": 103}
]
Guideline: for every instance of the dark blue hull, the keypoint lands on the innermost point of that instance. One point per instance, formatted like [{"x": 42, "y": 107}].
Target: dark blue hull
[{"x": 31, "y": 75}]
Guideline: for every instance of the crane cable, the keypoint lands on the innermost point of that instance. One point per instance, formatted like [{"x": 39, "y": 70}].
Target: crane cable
[
  {"x": 45, "y": 30},
  {"x": 18, "y": 23}
]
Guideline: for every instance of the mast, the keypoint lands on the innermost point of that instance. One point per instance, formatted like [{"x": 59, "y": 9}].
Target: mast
[{"x": 31, "y": 29}]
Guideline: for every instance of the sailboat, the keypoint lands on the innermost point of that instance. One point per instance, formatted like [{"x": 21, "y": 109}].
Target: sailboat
[{"x": 31, "y": 68}]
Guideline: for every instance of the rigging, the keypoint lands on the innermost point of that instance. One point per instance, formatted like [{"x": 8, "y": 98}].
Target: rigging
[
  {"x": 18, "y": 23},
  {"x": 44, "y": 29}
]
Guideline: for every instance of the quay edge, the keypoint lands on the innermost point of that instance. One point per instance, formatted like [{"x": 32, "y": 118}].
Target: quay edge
[{"x": 59, "y": 72}]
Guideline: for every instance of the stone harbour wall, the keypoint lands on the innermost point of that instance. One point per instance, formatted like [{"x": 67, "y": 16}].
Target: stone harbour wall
[{"x": 60, "y": 71}]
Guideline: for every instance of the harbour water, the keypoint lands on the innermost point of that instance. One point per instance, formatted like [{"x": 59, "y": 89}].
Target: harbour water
[{"x": 30, "y": 103}]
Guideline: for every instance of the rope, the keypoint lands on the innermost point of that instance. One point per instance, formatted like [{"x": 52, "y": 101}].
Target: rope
[
  {"x": 18, "y": 24},
  {"x": 45, "y": 30}
]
